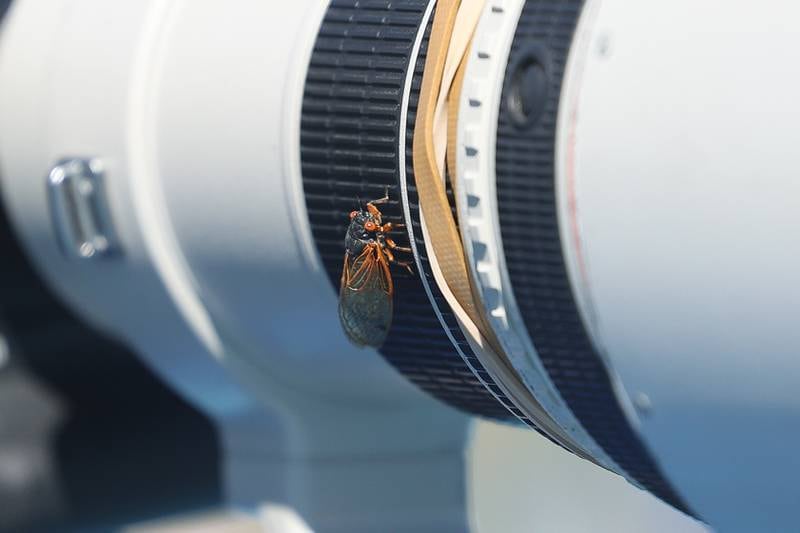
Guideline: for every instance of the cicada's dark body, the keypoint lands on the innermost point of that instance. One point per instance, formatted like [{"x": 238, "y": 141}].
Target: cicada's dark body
[{"x": 365, "y": 295}]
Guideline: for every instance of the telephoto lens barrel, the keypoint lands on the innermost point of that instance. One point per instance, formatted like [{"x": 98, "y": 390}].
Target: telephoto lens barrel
[{"x": 575, "y": 216}]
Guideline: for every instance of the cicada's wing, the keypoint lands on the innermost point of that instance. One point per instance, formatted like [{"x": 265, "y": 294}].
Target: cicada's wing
[{"x": 365, "y": 297}]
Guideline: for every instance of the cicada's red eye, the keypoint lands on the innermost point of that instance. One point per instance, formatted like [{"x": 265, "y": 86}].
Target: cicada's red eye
[
  {"x": 353, "y": 214},
  {"x": 370, "y": 226}
]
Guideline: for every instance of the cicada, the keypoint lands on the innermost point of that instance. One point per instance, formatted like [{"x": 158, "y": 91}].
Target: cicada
[{"x": 366, "y": 292}]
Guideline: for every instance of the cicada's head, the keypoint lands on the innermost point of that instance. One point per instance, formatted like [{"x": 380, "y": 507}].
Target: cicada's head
[
  {"x": 364, "y": 228},
  {"x": 363, "y": 225}
]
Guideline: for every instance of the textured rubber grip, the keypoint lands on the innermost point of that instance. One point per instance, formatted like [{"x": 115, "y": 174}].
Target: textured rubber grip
[
  {"x": 525, "y": 156},
  {"x": 350, "y": 134}
]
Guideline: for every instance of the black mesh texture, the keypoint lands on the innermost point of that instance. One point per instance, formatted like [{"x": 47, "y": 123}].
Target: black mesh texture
[
  {"x": 529, "y": 225},
  {"x": 348, "y": 145}
]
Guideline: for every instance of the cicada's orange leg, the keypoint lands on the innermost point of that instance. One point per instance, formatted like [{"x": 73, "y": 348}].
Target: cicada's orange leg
[
  {"x": 375, "y": 212},
  {"x": 391, "y": 244},
  {"x": 406, "y": 265},
  {"x": 381, "y": 200},
  {"x": 388, "y": 227}
]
